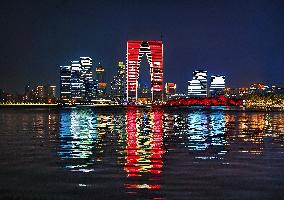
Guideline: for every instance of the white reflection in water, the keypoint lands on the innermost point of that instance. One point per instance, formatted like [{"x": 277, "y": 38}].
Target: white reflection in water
[{"x": 77, "y": 137}]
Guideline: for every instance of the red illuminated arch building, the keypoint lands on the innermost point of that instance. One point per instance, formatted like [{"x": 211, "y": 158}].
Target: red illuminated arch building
[{"x": 154, "y": 52}]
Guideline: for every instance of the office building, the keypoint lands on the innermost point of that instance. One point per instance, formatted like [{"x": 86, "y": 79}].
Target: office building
[
  {"x": 118, "y": 84},
  {"x": 51, "y": 91},
  {"x": 197, "y": 87},
  {"x": 87, "y": 77},
  {"x": 101, "y": 83},
  {"x": 217, "y": 85},
  {"x": 39, "y": 92},
  {"x": 65, "y": 84},
  {"x": 76, "y": 82}
]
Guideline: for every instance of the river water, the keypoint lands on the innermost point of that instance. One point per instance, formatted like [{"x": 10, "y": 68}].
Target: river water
[{"x": 141, "y": 153}]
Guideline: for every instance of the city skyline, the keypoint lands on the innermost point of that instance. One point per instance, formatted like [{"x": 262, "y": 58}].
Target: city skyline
[{"x": 233, "y": 38}]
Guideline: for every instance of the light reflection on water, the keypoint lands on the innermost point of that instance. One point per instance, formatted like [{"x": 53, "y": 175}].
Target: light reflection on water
[
  {"x": 144, "y": 136},
  {"x": 149, "y": 152},
  {"x": 78, "y": 138}
]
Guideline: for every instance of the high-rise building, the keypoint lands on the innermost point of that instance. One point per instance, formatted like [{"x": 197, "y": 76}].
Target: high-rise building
[
  {"x": 100, "y": 71},
  {"x": 118, "y": 84},
  {"x": 65, "y": 84},
  {"x": 102, "y": 84},
  {"x": 51, "y": 92},
  {"x": 39, "y": 92},
  {"x": 87, "y": 77},
  {"x": 154, "y": 52},
  {"x": 217, "y": 85},
  {"x": 197, "y": 87},
  {"x": 77, "y": 82}
]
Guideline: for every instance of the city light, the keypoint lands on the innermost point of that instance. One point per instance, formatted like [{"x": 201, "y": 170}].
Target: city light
[{"x": 83, "y": 85}]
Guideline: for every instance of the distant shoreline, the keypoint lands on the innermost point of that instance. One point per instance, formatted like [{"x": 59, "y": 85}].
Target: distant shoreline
[{"x": 195, "y": 107}]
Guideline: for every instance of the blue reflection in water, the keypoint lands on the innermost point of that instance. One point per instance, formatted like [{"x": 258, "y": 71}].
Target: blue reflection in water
[
  {"x": 77, "y": 138},
  {"x": 205, "y": 132}
]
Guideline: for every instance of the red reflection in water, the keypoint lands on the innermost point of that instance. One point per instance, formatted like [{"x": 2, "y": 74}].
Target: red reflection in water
[
  {"x": 157, "y": 142},
  {"x": 144, "y": 158},
  {"x": 131, "y": 148}
]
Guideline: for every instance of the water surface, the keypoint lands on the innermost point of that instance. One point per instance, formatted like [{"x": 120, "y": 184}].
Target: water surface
[{"x": 141, "y": 153}]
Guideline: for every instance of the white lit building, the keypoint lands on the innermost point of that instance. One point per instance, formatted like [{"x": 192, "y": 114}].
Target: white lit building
[
  {"x": 217, "y": 85},
  {"x": 197, "y": 87},
  {"x": 77, "y": 82},
  {"x": 65, "y": 84},
  {"x": 87, "y": 77}
]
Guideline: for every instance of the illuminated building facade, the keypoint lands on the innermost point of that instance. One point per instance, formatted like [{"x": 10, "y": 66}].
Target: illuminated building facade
[
  {"x": 102, "y": 85},
  {"x": 51, "y": 92},
  {"x": 118, "y": 84},
  {"x": 87, "y": 77},
  {"x": 39, "y": 92},
  {"x": 197, "y": 87},
  {"x": 259, "y": 88},
  {"x": 154, "y": 52},
  {"x": 65, "y": 84},
  {"x": 217, "y": 85},
  {"x": 76, "y": 82},
  {"x": 170, "y": 88}
]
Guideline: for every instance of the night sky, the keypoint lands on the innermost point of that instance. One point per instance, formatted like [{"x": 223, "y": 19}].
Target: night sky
[{"x": 243, "y": 40}]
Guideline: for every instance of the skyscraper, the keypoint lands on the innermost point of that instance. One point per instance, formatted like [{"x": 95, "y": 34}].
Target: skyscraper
[
  {"x": 195, "y": 89},
  {"x": 65, "y": 84},
  {"x": 102, "y": 85},
  {"x": 76, "y": 82},
  {"x": 87, "y": 77},
  {"x": 118, "y": 84},
  {"x": 217, "y": 85},
  {"x": 198, "y": 85},
  {"x": 100, "y": 70},
  {"x": 154, "y": 52}
]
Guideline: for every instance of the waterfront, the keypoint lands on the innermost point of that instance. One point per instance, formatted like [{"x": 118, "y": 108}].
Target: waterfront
[{"x": 141, "y": 153}]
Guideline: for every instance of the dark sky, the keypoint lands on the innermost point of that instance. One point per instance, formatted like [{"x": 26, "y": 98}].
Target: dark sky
[{"x": 241, "y": 39}]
